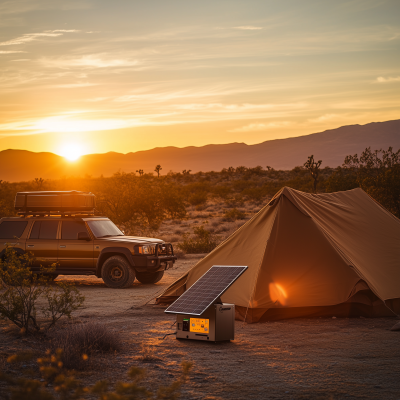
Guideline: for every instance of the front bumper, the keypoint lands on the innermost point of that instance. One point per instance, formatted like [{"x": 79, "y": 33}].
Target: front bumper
[{"x": 153, "y": 263}]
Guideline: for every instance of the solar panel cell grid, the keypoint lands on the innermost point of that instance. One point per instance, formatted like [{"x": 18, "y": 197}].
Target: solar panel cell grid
[{"x": 206, "y": 290}]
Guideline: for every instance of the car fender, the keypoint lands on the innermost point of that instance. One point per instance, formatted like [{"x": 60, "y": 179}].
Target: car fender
[
  {"x": 106, "y": 252},
  {"x": 18, "y": 250}
]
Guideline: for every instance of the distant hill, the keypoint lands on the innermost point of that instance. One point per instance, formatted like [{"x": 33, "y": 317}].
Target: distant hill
[{"x": 330, "y": 146}]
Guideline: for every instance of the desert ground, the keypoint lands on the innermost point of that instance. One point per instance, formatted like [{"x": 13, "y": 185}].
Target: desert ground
[{"x": 321, "y": 358}]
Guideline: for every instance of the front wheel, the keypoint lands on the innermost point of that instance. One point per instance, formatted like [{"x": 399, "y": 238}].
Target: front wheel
[
  {"x": 149, "y": 277},
  {"x": 117, "y": 273}
]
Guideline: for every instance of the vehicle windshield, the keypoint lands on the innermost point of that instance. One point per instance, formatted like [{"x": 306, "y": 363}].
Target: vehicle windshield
[{"x": 104, "y": 228}]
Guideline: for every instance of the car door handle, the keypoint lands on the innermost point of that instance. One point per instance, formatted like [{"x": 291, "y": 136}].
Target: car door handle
[
  {"x": 31, "y": 245},
  {"x": 63, "y": 246}
]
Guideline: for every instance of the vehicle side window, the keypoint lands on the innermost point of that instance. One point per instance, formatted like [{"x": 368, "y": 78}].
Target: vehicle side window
[
  {"x": 35, "y": 230},
  {"x": 44, "y": 230},
  {"x": 12, "y": 229},
  {"x": 70, "y": 229}
]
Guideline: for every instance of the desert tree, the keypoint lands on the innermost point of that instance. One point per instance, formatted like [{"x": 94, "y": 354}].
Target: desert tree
[
  {"x": 314, "y": 168},
  {"x": 158, "y": 169},
  {"x": 39, "y": 183},
  {"x": 186, "y": 172},
  {"x": 140, "y": 172}
]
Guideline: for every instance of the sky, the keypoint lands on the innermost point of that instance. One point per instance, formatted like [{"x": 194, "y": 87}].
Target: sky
[{"x": 92, "y": 76}]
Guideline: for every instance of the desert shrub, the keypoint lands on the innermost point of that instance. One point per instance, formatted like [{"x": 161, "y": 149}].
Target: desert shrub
[
  {"x": 178, "y": 231},
  {"x": 171, "y": 238},
  {"x": 148, "y": 354},
  {"x": 233, "y": 215},
  {"x": 222, "y": 228},
  {"x": 22, "y": 289},
  {"x": 221, "y": 191},
  {"x": 202, "y": 242},
  {"x": 255, "y": 193},
  {"x": 141, "y": 201},
  {"x": 65, "y": 386},
  {"x": 76, "y": 341},
  {"x": 197, "y": 198}
]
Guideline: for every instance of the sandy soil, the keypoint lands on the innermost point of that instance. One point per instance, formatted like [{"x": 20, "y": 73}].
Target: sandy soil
[{"x": 317, "y": 358}]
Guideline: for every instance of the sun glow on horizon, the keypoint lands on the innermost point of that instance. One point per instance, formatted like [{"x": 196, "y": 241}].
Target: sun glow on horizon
[{"x": 72, "y": 151}]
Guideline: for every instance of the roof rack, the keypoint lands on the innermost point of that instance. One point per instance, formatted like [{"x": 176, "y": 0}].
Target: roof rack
[{"x": 50, "y": 213}]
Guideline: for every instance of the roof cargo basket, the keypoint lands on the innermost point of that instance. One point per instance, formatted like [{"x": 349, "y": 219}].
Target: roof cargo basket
[{"x": 55, "y": 203}]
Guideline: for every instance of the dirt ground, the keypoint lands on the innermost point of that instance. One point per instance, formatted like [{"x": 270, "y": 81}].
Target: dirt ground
[{"x": 320, "y": 358}]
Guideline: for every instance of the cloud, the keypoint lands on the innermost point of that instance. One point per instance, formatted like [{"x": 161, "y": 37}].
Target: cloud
[
  {"x": 11, "y": 52},
  {"x": 74, "y": 85},
  {"x": 29, "y": 37},
  {"x": 92, "y": 60},
  {"x": 382, "y": 79},
  {"x": 261, "y": 127},
  {"x": 323, "y": 118},
  {"x": 248, "y": 28}
]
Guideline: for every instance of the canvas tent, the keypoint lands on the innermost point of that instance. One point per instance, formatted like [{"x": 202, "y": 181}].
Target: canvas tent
[{"x": 334, "y": 254}]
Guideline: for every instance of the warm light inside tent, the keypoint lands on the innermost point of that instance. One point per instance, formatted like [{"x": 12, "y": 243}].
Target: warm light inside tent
[{"x": 277, "y": 293}]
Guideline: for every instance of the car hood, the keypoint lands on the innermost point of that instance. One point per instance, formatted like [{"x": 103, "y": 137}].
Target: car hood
[{"x": 131, "y": 239}]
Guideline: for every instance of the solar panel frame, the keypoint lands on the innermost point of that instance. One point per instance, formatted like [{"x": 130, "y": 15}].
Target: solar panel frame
[{"x": 199, "y": 297}]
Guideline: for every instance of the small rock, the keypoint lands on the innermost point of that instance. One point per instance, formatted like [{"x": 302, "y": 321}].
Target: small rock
[
  {"x": 215, "y": 351},
  {"x": 333, "y": 317},
  {"x": 42, "y": 380},
  {"x": 378, "y": 387}
]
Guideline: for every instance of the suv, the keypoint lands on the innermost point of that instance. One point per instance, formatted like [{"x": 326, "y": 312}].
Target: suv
[{"x": 85, "y": 245}]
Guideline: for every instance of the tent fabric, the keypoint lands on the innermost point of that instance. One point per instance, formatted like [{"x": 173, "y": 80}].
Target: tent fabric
[{"x": 310, "y": 254}]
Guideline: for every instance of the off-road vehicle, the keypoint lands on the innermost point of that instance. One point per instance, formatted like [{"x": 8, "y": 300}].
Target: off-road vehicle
[{"x": 62, "y": 228}]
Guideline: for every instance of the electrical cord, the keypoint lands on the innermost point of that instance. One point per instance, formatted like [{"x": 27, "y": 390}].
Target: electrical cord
[{"x": 168, "y": 334}]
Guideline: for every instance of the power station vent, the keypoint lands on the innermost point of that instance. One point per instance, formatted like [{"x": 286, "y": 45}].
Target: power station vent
[{"x": 206, "y": 290}]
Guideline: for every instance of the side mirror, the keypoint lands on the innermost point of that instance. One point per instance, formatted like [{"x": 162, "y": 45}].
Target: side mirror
[{"x": 83, "y": 236}]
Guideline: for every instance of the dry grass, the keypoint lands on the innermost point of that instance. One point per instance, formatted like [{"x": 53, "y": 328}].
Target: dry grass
[
  {"x": 148, "y": 354},
  {"x": 78, "y": 341}
]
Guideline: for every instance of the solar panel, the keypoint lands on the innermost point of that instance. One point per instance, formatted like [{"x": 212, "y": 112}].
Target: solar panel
[{"x": 206, "y": 290}]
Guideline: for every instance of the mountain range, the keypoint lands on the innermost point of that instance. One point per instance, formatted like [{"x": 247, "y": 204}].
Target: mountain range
[{"x": 330, "y": 146}]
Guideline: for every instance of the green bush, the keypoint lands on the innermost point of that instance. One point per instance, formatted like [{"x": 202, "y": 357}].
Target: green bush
[
  {"x": 202, "y": 242},
  {"x": 21, "y": 289}
]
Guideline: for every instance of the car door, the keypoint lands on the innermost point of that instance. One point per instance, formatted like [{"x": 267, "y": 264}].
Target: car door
[
  {"x": 74, "y": 253},
  {"x": 43, "y": 242}
]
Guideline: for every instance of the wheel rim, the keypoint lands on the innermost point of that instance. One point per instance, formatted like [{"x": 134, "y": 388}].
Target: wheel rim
[{"x": 116, "y": 274}]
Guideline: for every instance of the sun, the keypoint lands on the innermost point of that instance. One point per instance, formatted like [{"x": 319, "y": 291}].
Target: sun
[{"x": 72, "y": 151}]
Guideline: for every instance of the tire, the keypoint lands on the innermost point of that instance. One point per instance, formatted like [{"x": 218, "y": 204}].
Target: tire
[
  {"x": 148, "y": 277},
  {"x": 117, "y": 273}
]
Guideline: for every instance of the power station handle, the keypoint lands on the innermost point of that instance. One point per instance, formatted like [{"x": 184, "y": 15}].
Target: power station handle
[{"x": 63, "y": 246}]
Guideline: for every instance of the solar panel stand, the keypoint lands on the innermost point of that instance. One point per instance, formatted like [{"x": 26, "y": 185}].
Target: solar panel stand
[{"x": 200, "y": 313}]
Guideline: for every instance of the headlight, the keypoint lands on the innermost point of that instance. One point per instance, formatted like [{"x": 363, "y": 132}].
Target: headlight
[{"x": 147, "y": 249}]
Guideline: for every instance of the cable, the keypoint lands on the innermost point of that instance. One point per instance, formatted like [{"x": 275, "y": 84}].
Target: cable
[{"x": 168, "y": 334}]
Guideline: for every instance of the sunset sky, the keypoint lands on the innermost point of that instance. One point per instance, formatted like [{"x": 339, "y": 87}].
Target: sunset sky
[{"x": 92, "y": 76}]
